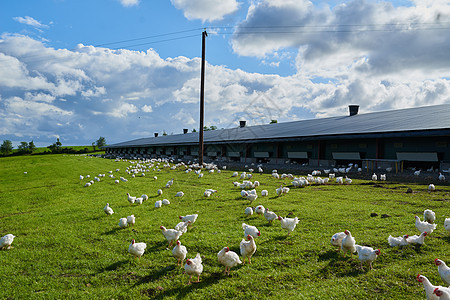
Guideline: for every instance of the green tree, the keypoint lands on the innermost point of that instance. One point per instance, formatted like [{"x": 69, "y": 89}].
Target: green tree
[
  {"x": 273, "y": 121},
  {"x": 101, "y": 142},
  {"x": 55, "y": 147},
  {"x": 31, "y": 146},
  {"x": 194, "y": 130},
  {"x": 6, "y": 147},
  {"x": 93, "y": 145},
  {"x": 23, "y": 147},
  {"x": 58, "y": 143}
]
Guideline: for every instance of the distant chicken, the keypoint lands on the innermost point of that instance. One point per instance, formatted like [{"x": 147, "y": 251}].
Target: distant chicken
[
  {"x": 398, "y": 241},
  {"x": 447, "y": 224},
  {"x": 417, "y": 239},
  {"x": 383, "y": 177},
  {"x": 367, "y": 254},
  {"x": 249, "y": 211},
  {"x": 264, "y": 193},
  {"x": 179, "y": 252},
  {"x": 130, "y": 198},
  {"x": 182, "y": 226},
  {"x": 431, "y": 187},
  {"x": 123, "y": 223},
  {"x": 429, "y": 216},
  {"x": 228, "y": 258},
  {"x": 171, "y": 235},
  {"x": 251, "y": 197},
  {"x": 374, "y": 177},
  {"x": 252, "y": 230},
  {"x": 248, "y": 248},
  {"x": 336, "y": 239},
  {"x": 288, "y": 223},
  {"x": 191, "y": 218},
  {"x": 443, "y": 270},
  {"x": 108, "y": 210},
  {"x": 137, "y": 249},
  {"x": 131, "y": 220},
  {"x": 348, "y": 243},
  {"x": 165, "y": 202},
  {"x": 6, "y": 241},
  {"x": 428, "y": 287},
  {"x": 270, "y": 215},
  {"x": 424, "y": 226},
  {"x": 259, "y": 210},
  {"x": 158, "y": 204},
  {"x": 194, "y": 267}
]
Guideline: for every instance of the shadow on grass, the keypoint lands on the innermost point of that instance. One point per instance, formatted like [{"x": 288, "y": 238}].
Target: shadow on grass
[
  {"x": 341, "y": 267},
  {"x": 116, "y": 265},
  {"x": 181, "y": 292},
  {"x": 113, "y": 231}
]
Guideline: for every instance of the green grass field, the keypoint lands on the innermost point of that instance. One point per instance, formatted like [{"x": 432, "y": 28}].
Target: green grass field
[{"x": 67, "y": 247}]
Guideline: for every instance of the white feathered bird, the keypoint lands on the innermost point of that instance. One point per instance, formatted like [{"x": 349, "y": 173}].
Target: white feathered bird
[
  {"x": 417, "y": 239},
  {"x": 158, "y": 203},
  {"x": 336, "y": 239},
  {"x": 259, "y": 210},
  {"x": 429, "y": 216},
  {"x": 123, "y": 222},
  {"x": 348, "y": 243},
  {"x": 130, "y": 198},
  {"x": 108, "y": 210},
  {"x": 447, "y": 224},
  {"x": 367, "y": 254},
  {"x": 428, "y": 287},
  {"x": 228, "y": 258},
  {"x": 131, "y": 220},
  {"x": 191, "y": 218},
  {"x": 171, "y": 235},
  {"x": 444, "y": 271},
  {"x": 179, "y": 252},
  {"x": 252, "y": 230},
  {"x": 270, "y": 215},
  {"x": 249, "y": 211},
  {"x": 248, "y": 248},
  {"x": 6, "y": 241},
  {"x": 424, "y": 226},
  {"x": 137, "y": 249},
  {"x": 194, "y": 266},
  {"x": 288, "y": 223},
  {"x": 398, "y": 241}
]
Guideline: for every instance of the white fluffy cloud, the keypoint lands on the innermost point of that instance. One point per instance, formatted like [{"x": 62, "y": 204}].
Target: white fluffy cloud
[
  {"x": 30, "y": 21},
  {"x": 127, "y": 3},
  {"x": 206, "y": 10}
]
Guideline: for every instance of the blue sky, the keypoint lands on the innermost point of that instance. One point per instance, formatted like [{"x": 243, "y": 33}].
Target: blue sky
[{"x": 82, "y": 69}]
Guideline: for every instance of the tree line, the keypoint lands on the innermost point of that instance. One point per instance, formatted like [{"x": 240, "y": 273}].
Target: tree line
[{"x": 7, "y": 148}]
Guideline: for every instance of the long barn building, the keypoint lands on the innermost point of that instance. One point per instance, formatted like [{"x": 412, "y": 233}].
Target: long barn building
[{"x": 398, "y": 138}]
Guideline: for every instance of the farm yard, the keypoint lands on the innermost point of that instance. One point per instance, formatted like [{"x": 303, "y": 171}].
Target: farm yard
[{"x": 65, "y": 245}]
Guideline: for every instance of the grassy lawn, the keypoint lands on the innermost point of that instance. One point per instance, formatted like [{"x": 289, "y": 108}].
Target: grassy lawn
[{"x": 67, "y": 247}]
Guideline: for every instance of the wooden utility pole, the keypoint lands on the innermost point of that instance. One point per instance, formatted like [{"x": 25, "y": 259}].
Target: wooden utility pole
[{"x": 202, "y": 99}]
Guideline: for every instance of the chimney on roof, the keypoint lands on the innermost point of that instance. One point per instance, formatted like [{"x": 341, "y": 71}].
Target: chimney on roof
[
  {"x": 185, "y": 130},
  {"x": 156, "y": 134},
  {"x": 242, "y": 123},
  {"x": 353, "y": 109}
]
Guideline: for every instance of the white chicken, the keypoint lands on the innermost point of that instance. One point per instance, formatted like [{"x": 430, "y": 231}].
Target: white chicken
[
  {"x": 447, "y": 224},
  {"x": 139, "y": 200},
  {"x": 6, "y": 241},
  {"x": 374, "y": 177},
  {"x": 424, "y": 226},
  {"x": 248, "y": 248},
  {"x": 428, "y": 287},
  {"x": 131, "y": 220},
  {"x": 191, "y": 218},
  {"x": 367, "y": 254},
  {"x": 398, "y": 241},
  {"x": 251, "y": 197},
  {"x": 383, "y": 177},
  {"x": 348, "y": 243},
  {"x": 431, "y": 187},
  {"x": 259, "y": 210},
  {"x": 417, "y": 239},
  {"x": 165, "y": 202},
  {"x": 159, "y": 192},
  {"x": 429, "y": 216},
  {"x": 108, "y": 210},
  {"x": 171, "y": 235},
  {"x": 130, "y": 198},
  {"x": 270, "y": 215},
  {"x": 252, "y": 230},
  {"x": 194, "y": 267},
  {"x": 288, "y": 223},
  {"x": 264, "y": 193},
  {"x": 123, "y": 222},
  {"x": 444, "y": 271},
  {"x": 441, "y": 293},
  {"x": 179, "y": 252},
  {"x": 441, "y": 177},
  {"x": 158, "y": 203},
  {"x": 179, "y": 194},
  {"x": 336, "y": 239},
  {"x": 249, "y": 211},
  {"x": 228, "y": 258},
  {"x": 182, "y": 226},
  {"x": 137, "y": 249}
]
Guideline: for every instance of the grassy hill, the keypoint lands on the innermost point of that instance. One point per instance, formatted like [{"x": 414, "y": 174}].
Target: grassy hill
[{"x": 67, "y": 247}]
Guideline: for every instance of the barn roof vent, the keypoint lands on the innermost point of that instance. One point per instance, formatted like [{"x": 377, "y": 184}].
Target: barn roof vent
[
  {"x": 242, "y": 123},
  {"x": 185, "y": 130},
  {"x": 353, "y": 109},
  {"x": 156, "y": 134}
]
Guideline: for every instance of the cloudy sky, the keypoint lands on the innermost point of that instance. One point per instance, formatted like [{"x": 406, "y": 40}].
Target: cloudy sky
[{"x": 124, "y": 69}]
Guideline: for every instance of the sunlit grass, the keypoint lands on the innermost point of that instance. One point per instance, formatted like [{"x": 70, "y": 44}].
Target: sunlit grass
[{"x": 66, "y": 245}]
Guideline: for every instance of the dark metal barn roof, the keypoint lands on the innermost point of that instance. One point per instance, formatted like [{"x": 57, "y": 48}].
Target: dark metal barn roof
[{"x": 401, "y": 122}]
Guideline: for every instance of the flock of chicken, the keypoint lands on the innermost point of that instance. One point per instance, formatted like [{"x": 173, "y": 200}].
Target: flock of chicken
[{"x": 343, "y": 240}]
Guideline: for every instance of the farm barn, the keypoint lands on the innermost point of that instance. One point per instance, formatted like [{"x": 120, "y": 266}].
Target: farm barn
[{"x": 398, "y": 139}]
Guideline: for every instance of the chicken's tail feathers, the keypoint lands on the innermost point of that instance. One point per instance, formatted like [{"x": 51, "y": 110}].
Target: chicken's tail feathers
[
  {"x": 357, "y": 247},
  {"x": 198, "y": 258}
]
